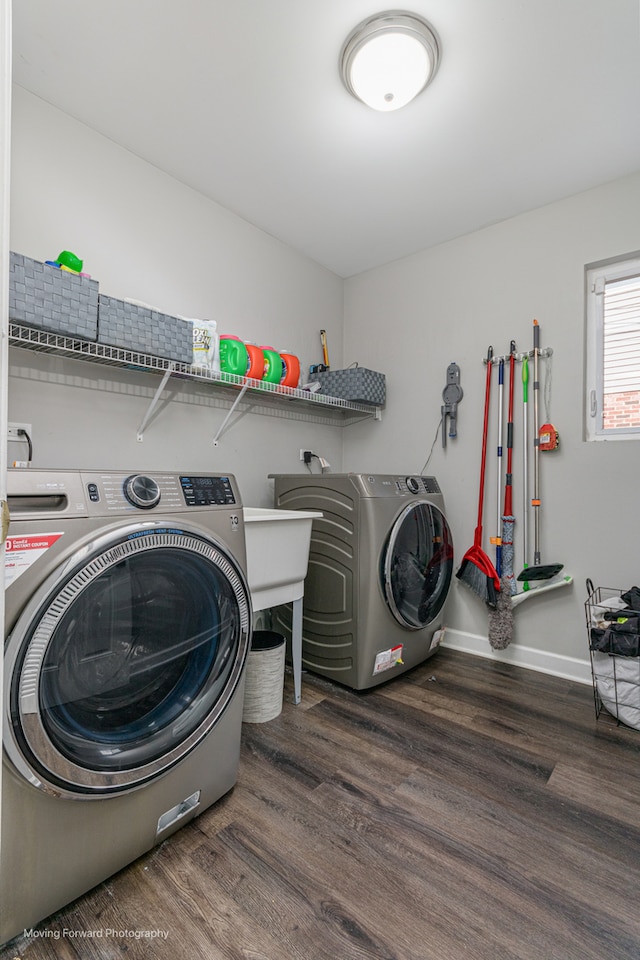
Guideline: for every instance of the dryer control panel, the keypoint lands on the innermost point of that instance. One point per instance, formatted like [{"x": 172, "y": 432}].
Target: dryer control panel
[
  {"x": 387, "y": 485},
  {"x": 417, "y": 485}
]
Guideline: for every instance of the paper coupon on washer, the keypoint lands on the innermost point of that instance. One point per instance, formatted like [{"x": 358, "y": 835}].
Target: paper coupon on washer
[
  {"x": 22, "y": 551},
  {"x": 388, "y": 659}
]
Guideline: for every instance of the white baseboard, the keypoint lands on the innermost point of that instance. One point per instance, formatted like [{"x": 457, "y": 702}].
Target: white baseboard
[{"x": 569, "y": 668}]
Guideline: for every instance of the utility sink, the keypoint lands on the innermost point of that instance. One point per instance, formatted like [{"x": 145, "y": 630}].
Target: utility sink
[
  {"x": 277, "y": 554},
  {"x": 277, "y": 559}
]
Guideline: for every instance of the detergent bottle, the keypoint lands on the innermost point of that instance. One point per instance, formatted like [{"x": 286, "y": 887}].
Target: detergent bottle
[
  {"x": 255, "y": 364},
  {"x": 290, "y": 370},
  {"x": 272, "y": 365},
  {"x": 234, "y": 358}
]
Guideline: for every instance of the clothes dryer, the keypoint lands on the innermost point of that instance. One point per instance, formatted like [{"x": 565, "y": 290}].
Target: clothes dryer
[
  {"x": 128, "y": 622},
  {"x": 380, "y": 568}
]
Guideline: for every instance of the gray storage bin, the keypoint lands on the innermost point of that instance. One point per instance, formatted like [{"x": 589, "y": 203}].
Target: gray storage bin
[
  {"x": 264, "y": 687},
  {"x": 143, "y": 330},
  {"x": 52, "y": 299},
  {"x": 357, "y": 384}
]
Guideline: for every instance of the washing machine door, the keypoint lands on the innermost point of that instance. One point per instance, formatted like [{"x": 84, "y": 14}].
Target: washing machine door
[
  {"x": 124, "y": 659},
  {"x": 417, "y": 565}
]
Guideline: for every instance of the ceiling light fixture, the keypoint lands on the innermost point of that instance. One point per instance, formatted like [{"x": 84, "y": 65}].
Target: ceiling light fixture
[{"x": 389, "y": 59}]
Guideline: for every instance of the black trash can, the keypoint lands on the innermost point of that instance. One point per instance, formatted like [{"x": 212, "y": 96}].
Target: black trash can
[{"x": 264, "y": 685}]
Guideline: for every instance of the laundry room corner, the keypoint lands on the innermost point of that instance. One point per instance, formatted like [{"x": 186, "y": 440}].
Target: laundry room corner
[{"x": 447, "y": 304}]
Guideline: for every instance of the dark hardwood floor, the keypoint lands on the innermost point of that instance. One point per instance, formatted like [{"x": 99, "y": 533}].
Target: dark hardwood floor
[{"x": 467, "y": 811}]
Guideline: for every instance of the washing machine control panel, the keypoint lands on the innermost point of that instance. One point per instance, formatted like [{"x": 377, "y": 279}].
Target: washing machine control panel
[
  {"x": 141, "y": 491},
  {"x": 122, "y": 493},
  {"x": 207, "y": 491}
]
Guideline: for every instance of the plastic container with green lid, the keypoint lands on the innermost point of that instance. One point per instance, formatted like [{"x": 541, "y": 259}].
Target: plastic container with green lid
[
  {"x": 272, "y": 365},
  {"x": 233, "y": 356}
]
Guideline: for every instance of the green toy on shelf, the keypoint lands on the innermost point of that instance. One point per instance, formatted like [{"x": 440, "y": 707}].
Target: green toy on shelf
[{"x": 70, "y": 261}]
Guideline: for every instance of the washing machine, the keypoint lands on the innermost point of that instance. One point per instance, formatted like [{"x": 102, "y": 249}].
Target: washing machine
[
  {"x": 128, "y": 622},
  {"x": 380, "y": 568}
]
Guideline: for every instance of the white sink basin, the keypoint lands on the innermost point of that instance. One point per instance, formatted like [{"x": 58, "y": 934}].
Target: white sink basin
[{"x": 277, "y": 554}]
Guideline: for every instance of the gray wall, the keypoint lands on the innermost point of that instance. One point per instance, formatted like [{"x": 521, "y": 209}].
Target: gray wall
[
  {"x": 145, "y": 236},
  {"x": 413, "y": 317}
]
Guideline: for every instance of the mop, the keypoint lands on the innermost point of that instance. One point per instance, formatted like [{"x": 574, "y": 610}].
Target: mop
[
  {"x": 476, "y": 570},
  {"x": 501, "y": 619}
]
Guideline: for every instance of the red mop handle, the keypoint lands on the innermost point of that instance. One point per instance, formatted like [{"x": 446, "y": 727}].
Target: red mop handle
[{"x": 477, "y": 538}]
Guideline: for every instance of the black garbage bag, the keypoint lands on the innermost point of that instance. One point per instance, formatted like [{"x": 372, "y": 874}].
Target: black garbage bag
[
  {"x": 632, "y": 598},
  {"x": 621, "y": 638}
]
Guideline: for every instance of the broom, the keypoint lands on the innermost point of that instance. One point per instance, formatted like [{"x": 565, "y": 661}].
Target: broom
[
  {"x": 476, "y": 570},
  {"x": 501, "y": 619}
]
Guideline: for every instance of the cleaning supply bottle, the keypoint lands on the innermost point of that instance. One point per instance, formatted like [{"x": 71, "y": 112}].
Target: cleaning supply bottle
[
  {"x": 290, "y": 370},
  {"x": 272, "y": 365},
  {"x": 255, "y": 364},
  {"x": 234, "y": 358}
]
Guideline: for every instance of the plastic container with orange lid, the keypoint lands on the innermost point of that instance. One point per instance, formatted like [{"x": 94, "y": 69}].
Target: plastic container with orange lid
[
  {"x": 255, "y": 364},
  {"x": 290, "y": 370}
]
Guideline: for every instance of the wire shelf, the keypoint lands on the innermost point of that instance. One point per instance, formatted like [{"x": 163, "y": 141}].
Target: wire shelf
[{"x": 41, "y": 341}]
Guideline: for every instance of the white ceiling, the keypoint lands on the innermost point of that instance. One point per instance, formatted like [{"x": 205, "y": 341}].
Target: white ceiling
[{"x": 534, "y": 100}]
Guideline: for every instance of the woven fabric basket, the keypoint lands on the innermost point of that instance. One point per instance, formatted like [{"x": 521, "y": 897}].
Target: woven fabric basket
[
  {"x": 264, "y": 687},
  {"x": 51, "y": 299},
  {"x": 354, "y": 383},
  {"x": 130, "y": 326}
]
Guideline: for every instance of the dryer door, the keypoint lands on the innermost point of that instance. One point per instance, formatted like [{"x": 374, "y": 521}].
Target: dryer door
[
  {"x": 417, "y": 565},
  {"x": 124, "y": 660}
]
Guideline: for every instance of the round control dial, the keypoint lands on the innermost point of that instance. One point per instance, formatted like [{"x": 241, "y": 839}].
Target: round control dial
[
  {"x": 412, "y": 485},
  {"x": 141, "y": 491}
]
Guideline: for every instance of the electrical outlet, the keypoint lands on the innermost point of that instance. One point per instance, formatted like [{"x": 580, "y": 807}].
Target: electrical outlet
[
  {"x": 302, "y": 453},
  {"x": 12, "y": 432}
]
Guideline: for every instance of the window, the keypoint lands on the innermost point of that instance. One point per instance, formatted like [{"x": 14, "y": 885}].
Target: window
[{"x": 613, "y": 349}]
